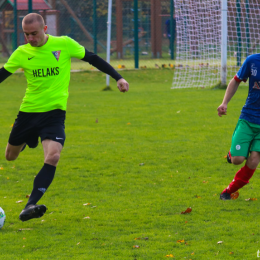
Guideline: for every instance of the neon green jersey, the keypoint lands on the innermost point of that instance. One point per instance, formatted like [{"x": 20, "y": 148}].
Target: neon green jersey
[{"x": 47, "y": 70}]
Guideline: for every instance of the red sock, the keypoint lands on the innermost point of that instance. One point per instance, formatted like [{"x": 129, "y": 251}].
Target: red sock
[{"x": 241, "y": 179}]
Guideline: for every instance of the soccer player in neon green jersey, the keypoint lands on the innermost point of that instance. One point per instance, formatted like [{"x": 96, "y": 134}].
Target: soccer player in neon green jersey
[{"x": 45, "y": 60}]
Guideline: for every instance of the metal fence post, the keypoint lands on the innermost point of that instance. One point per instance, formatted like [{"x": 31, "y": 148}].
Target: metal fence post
[
  {"x": 95, "y": 25},
  {"x": 109, "y": 19},
  {"x": 30, "y": 6},
  {"x": 15, "y": 25},
  {"x": 136, "y": 34},
  {"x": 172, "y": 30}
]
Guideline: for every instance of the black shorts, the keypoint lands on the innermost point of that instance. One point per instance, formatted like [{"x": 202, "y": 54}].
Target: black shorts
[{"x": 28, "y": 127}]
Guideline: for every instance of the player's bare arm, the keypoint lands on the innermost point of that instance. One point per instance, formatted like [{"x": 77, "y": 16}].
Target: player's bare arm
[{"x": 230, "y": 92}]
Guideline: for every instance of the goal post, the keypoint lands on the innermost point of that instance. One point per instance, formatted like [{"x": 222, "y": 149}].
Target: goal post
[
  {"x": 214, "y": 37},
  {"x": 224, "y": 42}
]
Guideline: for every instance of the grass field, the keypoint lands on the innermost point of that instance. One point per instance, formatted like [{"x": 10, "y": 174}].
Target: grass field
[{"x": 139, "y": 159}]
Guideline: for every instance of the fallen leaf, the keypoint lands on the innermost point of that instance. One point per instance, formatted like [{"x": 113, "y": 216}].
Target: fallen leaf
[
  {"x": 181, "y": 241},
  {"x": 129, "y": 123},
  {"x": 220, "y": 242},
  {"x": 250, "y": 199},
  {"x": 178, "y": 112},
  {"x": 28, "y": 196},
  {"x": 87, "y": 217},
  {"x": 198, "y": 197},
  {"x": 136, "y": 246},
  {"x": 170, "y": 255},
  {"x": 192, "y": 253},
  {"x": 78, "y": 243},
  {"x": 231, "y": 253},
  {"x": 143, "y": 238},
  {"x": 225, "y": 156},
  {"x": 141, "y": 164},
  {"x": 234, "y": 195},
  {"x": 19, "y": 201},
  {"x": 86, "y": 204},
  {"x": 205, "y": 181},
  {"x": 188, "y": 210}
]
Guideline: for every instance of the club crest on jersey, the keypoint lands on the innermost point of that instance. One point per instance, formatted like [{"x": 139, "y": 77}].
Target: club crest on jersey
[{"x": 56, "y": 54}]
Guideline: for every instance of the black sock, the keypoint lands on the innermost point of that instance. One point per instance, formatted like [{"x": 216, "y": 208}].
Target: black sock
[{"x": 41, "y": 183}]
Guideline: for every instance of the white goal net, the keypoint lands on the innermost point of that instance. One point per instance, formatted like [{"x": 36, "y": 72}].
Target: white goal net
[{"x": 198, "y": 40}]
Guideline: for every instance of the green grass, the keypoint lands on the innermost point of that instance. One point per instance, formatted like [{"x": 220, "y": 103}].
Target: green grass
[{"x": 180, "y": 143}]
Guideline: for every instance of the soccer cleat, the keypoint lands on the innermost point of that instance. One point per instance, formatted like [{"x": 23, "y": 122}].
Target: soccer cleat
[
  {"x": 229, "y": 157},
  {"x": 32, "y": 211},
  {"x": 225, "y": 196}
]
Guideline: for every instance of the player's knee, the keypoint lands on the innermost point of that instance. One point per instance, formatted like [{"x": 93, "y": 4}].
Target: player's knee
[
  {"x": 9, "y": 156},
  {"x": 253, "y": 161},
  {"x": 236, "y": 160},
  {"x": 53, "y": 159}
]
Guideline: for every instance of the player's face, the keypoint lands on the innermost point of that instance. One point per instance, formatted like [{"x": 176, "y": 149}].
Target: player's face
[{"x": 35, "y": 34}]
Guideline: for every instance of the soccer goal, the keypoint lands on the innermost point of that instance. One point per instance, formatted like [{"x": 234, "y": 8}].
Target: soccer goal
[{"x": 213, "y": 39}]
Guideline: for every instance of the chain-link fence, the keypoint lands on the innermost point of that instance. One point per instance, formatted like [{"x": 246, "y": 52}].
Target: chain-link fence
[{"x": 86, "y": 22}]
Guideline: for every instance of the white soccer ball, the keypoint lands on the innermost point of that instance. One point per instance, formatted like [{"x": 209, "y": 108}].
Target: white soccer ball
[{"x": 2, "y": 217}]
